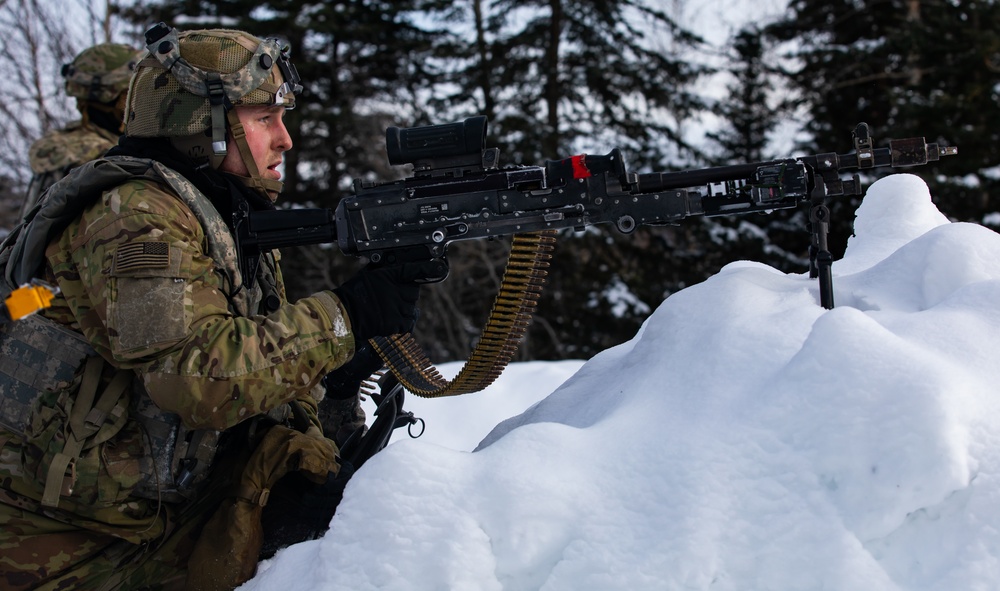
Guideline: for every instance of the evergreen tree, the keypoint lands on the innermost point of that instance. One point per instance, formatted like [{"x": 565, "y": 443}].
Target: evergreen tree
[
  {"x": 908, "y": 68},
  {"x": 556, "y": 76},
  {"x": 561, "y": 76},
  {"x": 750, "y": 111}
]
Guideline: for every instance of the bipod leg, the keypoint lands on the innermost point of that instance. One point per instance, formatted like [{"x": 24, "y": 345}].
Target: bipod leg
[{"x": 820, "y": 259}]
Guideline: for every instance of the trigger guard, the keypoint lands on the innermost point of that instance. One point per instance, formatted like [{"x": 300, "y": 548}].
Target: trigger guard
[{"x": 439, "y": 274}]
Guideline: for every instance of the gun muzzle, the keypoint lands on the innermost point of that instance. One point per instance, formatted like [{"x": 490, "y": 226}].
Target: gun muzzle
[{"x": 915, "y": 151}]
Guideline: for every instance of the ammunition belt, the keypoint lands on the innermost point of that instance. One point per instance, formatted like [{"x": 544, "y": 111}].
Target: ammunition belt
[{"x": 513, "y": 308}]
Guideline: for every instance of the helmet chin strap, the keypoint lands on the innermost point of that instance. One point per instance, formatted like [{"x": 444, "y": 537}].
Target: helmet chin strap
[
  {"x": 269, "y": 187},
  {"x": 198, "y": 148}
]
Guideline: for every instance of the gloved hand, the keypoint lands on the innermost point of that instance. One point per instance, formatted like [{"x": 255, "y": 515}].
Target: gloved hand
[
  {"x": 299, "y": 509},
  {"x": 340, "y": 411},
  {"x": 344, "y": 381},
  {"x": 383, "y": 301}
]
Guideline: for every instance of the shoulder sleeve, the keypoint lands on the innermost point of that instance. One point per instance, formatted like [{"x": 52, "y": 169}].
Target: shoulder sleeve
[
  {"x": 135, "y": 272},
  {"x": 61, "y": 150}
]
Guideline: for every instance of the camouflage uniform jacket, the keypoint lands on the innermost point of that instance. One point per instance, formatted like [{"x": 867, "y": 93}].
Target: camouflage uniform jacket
[
  {"x": 154, "y": 286},
  {"x": 138, "y": 280},
  {"x": 156, "y": 289},
  {"x": 59, "y": 151}
]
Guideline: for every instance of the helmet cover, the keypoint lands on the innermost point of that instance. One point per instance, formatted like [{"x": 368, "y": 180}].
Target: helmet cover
[
  {"x": 184, "y": 75},
  {"x": 101, "y": 73}
]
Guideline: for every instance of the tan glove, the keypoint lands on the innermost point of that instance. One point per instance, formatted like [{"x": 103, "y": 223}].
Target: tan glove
[{"x": 225, "y": 555}]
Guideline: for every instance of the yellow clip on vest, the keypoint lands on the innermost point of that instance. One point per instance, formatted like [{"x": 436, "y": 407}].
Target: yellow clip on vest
[{"x": 28, "y": 299}]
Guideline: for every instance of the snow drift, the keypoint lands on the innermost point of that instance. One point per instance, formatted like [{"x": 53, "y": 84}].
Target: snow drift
[{"x": 746, "y": 438}]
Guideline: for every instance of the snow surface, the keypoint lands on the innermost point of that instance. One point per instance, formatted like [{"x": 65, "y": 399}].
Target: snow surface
[{"x": 745, "y": 439}]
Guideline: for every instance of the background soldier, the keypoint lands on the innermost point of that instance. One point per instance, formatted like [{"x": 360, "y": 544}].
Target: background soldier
[
  {"x": 197, "y": 358},
  {"x": 98, "y": 78}
]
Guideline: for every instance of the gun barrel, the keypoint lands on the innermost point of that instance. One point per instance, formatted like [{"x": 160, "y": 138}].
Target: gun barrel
[
  {"x": 900, "y": 153},
  {"x": 685, "y": 179},
  {"x": 915, "y": 152}
]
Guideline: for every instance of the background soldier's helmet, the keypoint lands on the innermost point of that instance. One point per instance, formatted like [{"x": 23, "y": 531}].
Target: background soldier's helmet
[
  {"x": 100, "y": 74},
  {"x": 187, "y": 84}
]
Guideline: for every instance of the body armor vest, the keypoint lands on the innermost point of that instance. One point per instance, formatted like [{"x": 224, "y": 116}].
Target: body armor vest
[{"x": 38, "y": 355}]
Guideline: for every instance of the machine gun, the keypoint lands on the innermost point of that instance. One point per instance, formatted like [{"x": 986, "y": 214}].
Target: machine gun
[{"x": 458, "y": 191}]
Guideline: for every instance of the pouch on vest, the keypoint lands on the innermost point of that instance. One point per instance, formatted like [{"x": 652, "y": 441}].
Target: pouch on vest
[
  {"x": 178, "y": 459},
  {"x": 36, "y": 355},
  {"x": 79, "y": 443},
  {"x": 153, "y": 456}
]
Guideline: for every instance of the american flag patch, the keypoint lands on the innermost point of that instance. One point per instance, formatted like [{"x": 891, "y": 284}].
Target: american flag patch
[{"x": 142, "y": 255}]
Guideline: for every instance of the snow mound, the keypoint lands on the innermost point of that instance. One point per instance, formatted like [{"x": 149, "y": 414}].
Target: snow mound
[{"x": 746, "y": 438}]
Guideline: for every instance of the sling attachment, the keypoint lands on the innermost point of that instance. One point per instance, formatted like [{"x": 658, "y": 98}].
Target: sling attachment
[{"x": 89, "y": 416}]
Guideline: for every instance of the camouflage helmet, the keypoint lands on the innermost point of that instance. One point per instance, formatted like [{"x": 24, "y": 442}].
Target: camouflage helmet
[
  {"x": 101, "y": 73},
  {"x": 187, "y": 84}
]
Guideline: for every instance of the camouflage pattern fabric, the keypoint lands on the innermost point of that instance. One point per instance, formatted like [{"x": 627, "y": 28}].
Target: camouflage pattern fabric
[
  {"x": 140, "y": 249},
  {"x": 69, "y": 147},
  {"x": 137, "y": 280},
  {"x": 213, "y": 49},
  {"x": 57, "y": 152},
  {"x": 98, "y": 77},
  {"x": 136, "y": 545},
  {"x": 36, "y": 355},
  {"x": 175, "y": 103},
  {"x": 101, "y": 73}
]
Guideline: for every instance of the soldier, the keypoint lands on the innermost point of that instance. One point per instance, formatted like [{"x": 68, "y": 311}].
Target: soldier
[
  {"x": 98, "y": 79},
  {"x": 150, "y": 468}
]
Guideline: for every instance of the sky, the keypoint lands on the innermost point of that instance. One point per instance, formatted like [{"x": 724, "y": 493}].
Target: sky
[{"x": 745, "y": 439}]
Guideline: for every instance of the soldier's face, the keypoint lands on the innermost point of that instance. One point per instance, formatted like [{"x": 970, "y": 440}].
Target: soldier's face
[{"x": 267, "y": 137}]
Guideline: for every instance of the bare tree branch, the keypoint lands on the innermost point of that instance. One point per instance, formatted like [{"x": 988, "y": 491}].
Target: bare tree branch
[{"x": 39, "y": 37}]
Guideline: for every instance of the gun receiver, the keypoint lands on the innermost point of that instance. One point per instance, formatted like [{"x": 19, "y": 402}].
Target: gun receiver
[{"x": 459, "y": 192}]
